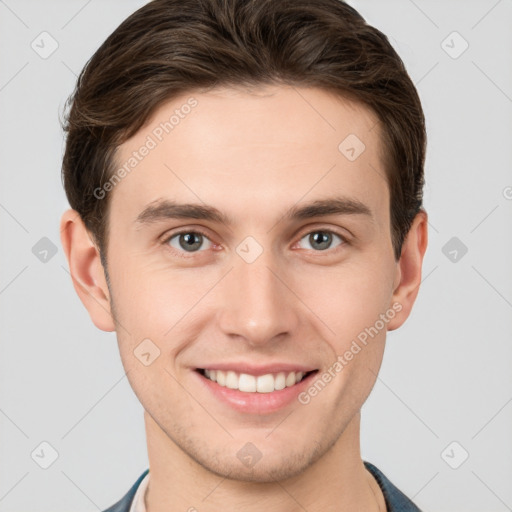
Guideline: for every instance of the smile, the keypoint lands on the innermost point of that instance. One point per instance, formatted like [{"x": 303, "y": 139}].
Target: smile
[{"x": 247, "y": 383}]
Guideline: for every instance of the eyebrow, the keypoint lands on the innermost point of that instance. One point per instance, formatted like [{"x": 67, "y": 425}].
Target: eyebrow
[{"x": 163, "y": 209}]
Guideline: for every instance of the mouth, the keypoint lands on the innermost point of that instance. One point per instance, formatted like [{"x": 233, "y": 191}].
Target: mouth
[{"x": 248, "y": 383}]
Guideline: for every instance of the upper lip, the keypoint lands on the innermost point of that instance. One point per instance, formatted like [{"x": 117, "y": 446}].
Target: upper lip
[{"x": 256, "y": 370}]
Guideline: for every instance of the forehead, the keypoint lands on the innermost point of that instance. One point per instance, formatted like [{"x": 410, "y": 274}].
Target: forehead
[{"x": 233, "y": 148}]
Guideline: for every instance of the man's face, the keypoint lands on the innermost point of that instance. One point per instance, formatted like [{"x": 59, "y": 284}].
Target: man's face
[{"x": 269, "y": 292}]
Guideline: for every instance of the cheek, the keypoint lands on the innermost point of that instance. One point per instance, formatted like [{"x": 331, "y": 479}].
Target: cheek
[
  {"x": 351, "y": 302},
  {"x": 157, "y": 312},
  {"x": 154, "y": 297},
  {"x": 347, "y": 298}
]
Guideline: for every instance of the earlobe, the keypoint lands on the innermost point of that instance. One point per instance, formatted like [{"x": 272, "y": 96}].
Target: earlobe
[
  {"x": 86, "y": 270},
  {"x": 409, "y": 270}
]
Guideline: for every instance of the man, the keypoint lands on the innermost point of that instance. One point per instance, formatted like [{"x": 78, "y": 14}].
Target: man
[{"x": 245, "y": 178}]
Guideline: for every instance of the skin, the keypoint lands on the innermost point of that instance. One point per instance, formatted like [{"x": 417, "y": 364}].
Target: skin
[{"x": 276, "y": 147}]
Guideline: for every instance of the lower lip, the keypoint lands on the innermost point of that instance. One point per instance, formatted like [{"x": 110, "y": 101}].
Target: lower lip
[{"x": 256, "y": 403}]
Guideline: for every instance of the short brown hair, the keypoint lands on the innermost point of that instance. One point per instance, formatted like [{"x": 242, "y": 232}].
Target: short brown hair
[{"x": 171, "y": 47}]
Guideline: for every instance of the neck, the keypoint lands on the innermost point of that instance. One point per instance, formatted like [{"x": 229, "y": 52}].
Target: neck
[{"x": 337, "y": 479}]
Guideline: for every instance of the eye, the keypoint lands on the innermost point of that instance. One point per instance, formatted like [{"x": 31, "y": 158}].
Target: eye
[
  {"x": 321, "y": 240},
  {"x": 188, "y": 241}
]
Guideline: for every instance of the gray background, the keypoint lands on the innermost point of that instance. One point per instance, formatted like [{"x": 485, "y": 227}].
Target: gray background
[{"x": 446, "y": 373}]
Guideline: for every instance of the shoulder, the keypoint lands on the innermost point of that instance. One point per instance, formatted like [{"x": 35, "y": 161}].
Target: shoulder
[
  {"x": 123, "y": 505},
  {"x": 396, "y": 500}
]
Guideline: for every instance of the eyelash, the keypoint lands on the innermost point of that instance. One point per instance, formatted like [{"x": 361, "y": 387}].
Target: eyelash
[{"x": 183, "y": 254}]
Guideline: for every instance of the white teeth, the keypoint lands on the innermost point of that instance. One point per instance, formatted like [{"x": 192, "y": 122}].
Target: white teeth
[
  {"x": 247, "y": 383},
  {"x": 280, "y": 381},
  {"x": 231, "y": 380},
  {"x": 265, "y": 383},
  {"x": 251, "y": 384},
  {"x": 290, "y": 379},
  {"x": 221, "y": 378}
]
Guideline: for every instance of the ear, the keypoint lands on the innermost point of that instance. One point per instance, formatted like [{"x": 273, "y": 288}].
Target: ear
[
  {"x": 408, "y": 275},
  {"x": 86, "y": 270}
]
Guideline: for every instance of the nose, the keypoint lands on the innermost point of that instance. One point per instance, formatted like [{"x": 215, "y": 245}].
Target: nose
[{"x": 257, "y": 304}]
